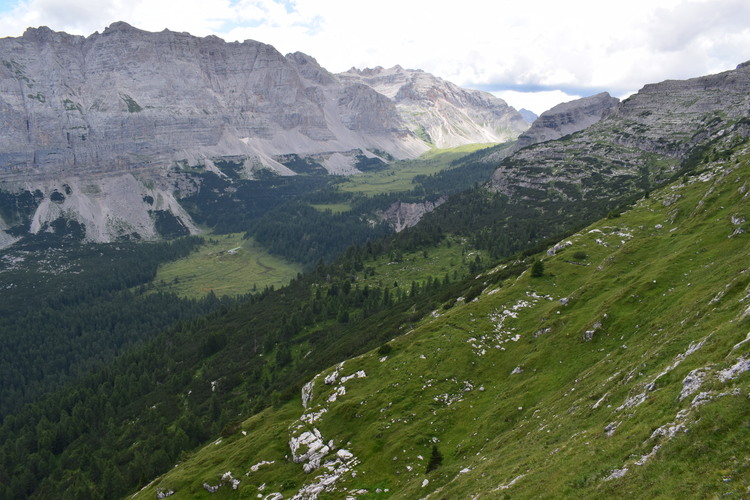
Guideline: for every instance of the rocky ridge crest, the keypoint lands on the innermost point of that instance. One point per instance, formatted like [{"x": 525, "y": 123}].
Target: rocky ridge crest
[
  {"x": 567, "y": 118},
  {"x": 440, "y": 112},
  {"x": 640, "y": 143}
]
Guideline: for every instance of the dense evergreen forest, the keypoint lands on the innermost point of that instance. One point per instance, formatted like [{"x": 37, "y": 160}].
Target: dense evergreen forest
[
  {"x": 277, "y": 211},
  {"x": 130, "y": 420},
  {"x": 154, "y": 376},
  {"x": 68, "y": 308}
]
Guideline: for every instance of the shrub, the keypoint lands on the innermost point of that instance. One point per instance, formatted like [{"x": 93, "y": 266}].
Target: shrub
[
  {"x": 436, "y": 459},
  {"x": 385, "y": 349}
]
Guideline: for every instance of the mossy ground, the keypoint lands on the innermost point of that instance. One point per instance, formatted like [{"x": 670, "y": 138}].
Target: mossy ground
[{"x": 569, "y": 385}]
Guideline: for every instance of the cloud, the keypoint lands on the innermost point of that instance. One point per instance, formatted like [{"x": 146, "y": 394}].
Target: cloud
[
  {"x": 536, "y": 101},
  {"x": 694, "y": 23}
]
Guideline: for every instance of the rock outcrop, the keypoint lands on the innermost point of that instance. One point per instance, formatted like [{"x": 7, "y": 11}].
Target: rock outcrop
[
  {"x": 402, "y": 215},
  {"x": 636, "y": 145},
  {"x": 440, "y": 112},
  {"x": 567, "y": 118}
]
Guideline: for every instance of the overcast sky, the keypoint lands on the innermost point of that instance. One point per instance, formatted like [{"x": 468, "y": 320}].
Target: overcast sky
[{"x": 533, "y": 54}]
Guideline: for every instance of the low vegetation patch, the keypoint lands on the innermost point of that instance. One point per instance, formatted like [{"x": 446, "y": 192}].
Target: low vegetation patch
[{"x": 225, "y": 265}]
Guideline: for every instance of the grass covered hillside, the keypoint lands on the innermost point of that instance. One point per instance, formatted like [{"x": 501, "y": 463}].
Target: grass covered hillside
[{"x": 616, "y": 368}]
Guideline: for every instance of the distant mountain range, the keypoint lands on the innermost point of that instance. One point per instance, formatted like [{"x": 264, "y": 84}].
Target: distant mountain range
[
  {"x": 439, "y": 112},
  {"x": 529, "y": 116},
  {"x": 97, "y": 124}
]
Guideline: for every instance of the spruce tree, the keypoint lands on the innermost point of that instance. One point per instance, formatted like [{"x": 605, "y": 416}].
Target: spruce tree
[
  {"x": 537, "y": 269},
  {"x": 436, "y": 459}
]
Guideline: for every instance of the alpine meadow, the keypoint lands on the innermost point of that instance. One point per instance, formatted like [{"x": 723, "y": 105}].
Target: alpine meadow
[{"x": 230, "y": 273}]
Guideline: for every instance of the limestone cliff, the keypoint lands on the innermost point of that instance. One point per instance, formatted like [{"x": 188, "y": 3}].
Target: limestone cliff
[
  {"x": 128, "y": 99},
  {"x": 147, "y": 108},
  {"x": 567, "y": 118},
  {"x": 440, "y": 112}
]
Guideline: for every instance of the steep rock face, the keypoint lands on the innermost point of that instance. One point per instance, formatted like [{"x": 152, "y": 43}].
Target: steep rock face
[
  {"x": 402, "y": 215},
  {"x": 149, "y": 106},
  {"x": 442, "y": 113},
  {"x": 154, "y": 106},
  {"x": 567, "y": 118},
  {"x": 673, "y": 116},
  {"x": 129, "y": 99},
  {"x": 638, "y": 144}
]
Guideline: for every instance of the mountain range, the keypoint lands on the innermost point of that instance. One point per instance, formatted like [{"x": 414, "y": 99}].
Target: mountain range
[
  {"x": 614, "y": 366},
  {"x": 572, "y": 325},
  {"x": 97, "y": 124}
]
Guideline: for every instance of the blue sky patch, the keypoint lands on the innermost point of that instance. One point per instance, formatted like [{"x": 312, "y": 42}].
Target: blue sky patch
[
  {"x": 571, "y": 90},
  {"x": 7, "y": 5}
]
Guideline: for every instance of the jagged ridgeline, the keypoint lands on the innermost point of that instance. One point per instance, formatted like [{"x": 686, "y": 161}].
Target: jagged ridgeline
[
  {"x": 114, "y": 130},
  {"x": 617, "y": 368}
]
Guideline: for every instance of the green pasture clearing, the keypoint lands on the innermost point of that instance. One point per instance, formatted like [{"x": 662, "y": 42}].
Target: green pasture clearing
[
  {"x": 227, "y": 265},
  {"x": 398, "y": 176},
  {"x": 450, "y": 258}
]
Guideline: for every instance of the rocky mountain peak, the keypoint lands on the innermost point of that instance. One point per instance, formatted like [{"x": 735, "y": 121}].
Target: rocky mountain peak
[
  {"x": 528, "y": 115},
  {"x": 123, "y": 27},
  {"x": 440, "y": 112},
  {"x": 45, "y": 35},
  {"x": 310, "y": 69},
  {"x": 633, "y": 146},
  {"x": 567, "y": 118}
]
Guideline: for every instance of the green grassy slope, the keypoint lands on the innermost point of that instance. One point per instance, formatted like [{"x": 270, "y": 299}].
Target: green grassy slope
[
  {"x": 620, "y": 372},
  {"x": 399, "y": 177},
  {"x": 226, "y": 264}
]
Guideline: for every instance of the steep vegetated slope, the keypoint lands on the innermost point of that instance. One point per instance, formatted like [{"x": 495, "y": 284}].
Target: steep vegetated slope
[
  {"x": 616, "y": 367},
  {"x": 121, "y": 425},
  {"x": 557, "y": 380}
]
